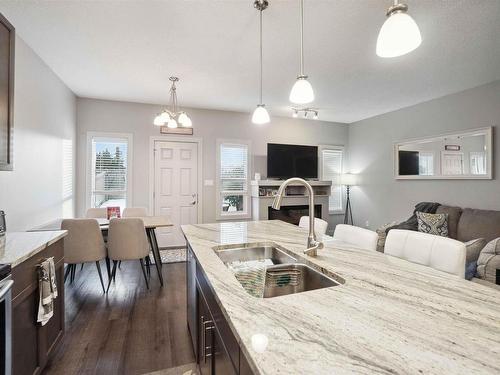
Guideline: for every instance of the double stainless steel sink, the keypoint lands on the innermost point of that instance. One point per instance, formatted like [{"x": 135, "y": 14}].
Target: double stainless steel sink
[{"x": 285, "y": 276}]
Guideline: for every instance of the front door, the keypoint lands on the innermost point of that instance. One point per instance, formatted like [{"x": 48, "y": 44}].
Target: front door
[
  {"x": 452, "y": 163},
  {"x": 176, "y": 189}
]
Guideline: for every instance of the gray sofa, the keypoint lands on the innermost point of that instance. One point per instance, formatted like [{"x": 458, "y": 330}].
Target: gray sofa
[{"x": 466, "y": 224}]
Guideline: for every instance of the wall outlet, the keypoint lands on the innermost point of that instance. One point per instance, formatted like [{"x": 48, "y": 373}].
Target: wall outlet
[{"x": 367, "y": 224}]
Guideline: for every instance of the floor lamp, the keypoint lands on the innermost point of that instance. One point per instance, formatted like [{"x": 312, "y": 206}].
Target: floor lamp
[{"x": 348, "y": 180}]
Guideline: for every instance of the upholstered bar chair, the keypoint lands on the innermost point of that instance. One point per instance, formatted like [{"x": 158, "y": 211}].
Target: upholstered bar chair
[
  {"x": 320, "y": 225},
  {"x": 127, "y": 241},
  {"x": 97, "y": 213},
  {"x": 135, "y": 212},
  {"x": 84, "y": 243},
  {"x": 360, "y": 238},
  {"x": 441, "y": 253}
]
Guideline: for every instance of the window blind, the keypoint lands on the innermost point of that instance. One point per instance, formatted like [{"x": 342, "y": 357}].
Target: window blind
[
  {"x": 332, "y": 169},
  {"x": 233, "y": 168}
]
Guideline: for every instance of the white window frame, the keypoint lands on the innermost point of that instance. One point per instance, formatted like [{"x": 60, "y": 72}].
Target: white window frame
[
  {"x": 247, "y": 213},
  {"x": 322, "y": 148},
  {"x": 103, "y": 136}
]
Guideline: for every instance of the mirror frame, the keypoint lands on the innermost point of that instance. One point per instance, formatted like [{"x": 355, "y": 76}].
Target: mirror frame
[{"x": 488, "y": 132}]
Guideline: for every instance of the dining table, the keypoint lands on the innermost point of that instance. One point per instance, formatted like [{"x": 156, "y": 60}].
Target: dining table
[{"x": 150, "y": 224}]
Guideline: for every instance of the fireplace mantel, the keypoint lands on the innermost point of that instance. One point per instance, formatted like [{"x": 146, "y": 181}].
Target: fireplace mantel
[{"x": 263, "y": 192}]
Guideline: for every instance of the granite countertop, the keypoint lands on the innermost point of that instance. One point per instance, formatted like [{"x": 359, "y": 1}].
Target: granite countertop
[
  {"x": 390, "y": 316},
  {"x": 20, "y": 246}
]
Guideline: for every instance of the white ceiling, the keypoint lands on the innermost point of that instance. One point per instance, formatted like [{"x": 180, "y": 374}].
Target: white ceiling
[{"x": 127, "y": 50}]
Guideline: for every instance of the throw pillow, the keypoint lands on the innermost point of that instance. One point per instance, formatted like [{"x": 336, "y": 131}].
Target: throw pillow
[
  {"x": 470, "y": 270},
  {"x": 436, "y": 224},
  {"x": 489, "y": 260},
  {"x": 474, "y": 248}
]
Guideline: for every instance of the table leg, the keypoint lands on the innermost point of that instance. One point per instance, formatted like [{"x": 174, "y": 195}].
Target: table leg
[
  {"x": 156, "y": 252},
  {"x": 153, "y": 233}
]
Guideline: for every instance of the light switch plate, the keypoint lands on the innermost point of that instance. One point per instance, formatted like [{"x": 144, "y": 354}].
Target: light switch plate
[{"x": 208, "y": 183}]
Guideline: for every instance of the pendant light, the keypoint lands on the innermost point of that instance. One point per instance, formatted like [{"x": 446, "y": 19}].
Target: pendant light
[
  {"x": 399, "y": 34},
  {"x": 168, "y": 115},
  {"x": 260, "y": 115},
  {"x": 302, "y": 91}
]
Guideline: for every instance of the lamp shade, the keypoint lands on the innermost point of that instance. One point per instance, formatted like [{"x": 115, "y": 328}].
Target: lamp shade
[
  {"x": 172, "y": 124},
  {"x": 348, "y": 179},
  {"x": 158, "y": 121},
  {"x": 398, "y": 36},
  {"x": 302, "y": 91},
  {"x": 260, "y": 115}
]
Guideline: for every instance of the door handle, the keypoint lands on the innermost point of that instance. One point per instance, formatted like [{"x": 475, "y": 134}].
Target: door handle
[
  {"x": 206, "y": 326},
  {"x": 194, "y": 199}
]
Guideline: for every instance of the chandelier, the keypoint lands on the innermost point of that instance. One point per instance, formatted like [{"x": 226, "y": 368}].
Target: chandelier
[{"x": 173, "y": 117}]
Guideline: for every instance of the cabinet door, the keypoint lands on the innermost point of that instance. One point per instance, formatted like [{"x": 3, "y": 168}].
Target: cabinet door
[
  {"x": 222, "y": 361},
  {"x": 191, "y": 299},
  {"x": 205, "y": 336}
]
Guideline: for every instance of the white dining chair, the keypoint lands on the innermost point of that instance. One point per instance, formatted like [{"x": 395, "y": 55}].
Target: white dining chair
[
  {"x": 84, "y": 243},
  {"x": 135, "y": 212},
  {"x": 97, "y": 213},
  {"x": 320, "y": 225},
  {"x": 127, "y": 241},
  {"x": 358, "y": 237},
  {"x": 441, "y": 253}
]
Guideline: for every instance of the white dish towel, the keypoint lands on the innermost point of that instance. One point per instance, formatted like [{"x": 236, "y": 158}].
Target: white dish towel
[{"x": 47, "y": 287}]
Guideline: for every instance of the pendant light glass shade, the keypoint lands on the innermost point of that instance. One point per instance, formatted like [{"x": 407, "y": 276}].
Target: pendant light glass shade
[
  {"x": 172, "y": 124},
  {"x": 398, "y": 36},
  {"x": 260, "y": 115},
  {"x": 302, "y": 91},
  {"x": 184, "y": 120},
  {"x": 158, "y": 121}
]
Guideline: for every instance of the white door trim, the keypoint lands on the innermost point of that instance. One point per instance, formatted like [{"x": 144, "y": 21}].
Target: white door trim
[{"x": 172, "y": 138}]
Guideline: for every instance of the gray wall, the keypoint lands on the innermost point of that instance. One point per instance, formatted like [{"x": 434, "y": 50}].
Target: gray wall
[
  {"x": 44, "y": 118},
  {"x": 380, "y": 198},
  {"x": 113, "y": 116}
]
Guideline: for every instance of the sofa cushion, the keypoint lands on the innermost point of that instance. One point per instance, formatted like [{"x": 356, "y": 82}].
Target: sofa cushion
[
  {"x": 474, "y": 248},
  {"x": 478, "y": 223},
  {"x": 489, "y": 260},
  {"x": 436, "y": 224},
  {"x": 454, "y": 214}
]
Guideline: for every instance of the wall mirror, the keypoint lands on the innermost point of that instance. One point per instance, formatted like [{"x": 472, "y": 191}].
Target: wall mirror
[{"x": 461, "y": 155}]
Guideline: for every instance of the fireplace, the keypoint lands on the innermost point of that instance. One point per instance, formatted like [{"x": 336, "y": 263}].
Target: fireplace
[{"x": 292, "y": 214}]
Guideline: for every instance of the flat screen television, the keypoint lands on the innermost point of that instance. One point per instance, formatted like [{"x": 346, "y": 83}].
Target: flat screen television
[{"x": 285, "y": 161}]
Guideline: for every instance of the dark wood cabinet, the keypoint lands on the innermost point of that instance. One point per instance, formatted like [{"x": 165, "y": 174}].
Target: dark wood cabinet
[
  {"x": 218, "y": 352},
  {"x": 33, "y": 344}
]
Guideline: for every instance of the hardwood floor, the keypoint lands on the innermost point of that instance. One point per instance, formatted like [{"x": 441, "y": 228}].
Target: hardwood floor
[{"x": 128, "y": 331}]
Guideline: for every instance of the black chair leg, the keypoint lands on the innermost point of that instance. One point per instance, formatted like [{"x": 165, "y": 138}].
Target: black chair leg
[
  {"x": 148, "y": 266},
  {"x": 120, "y": 264},
  {"x": 144, "y": 272},
  {"x": 113, "y": 272},
  {"x": 98, "y": 265},
  {"x": 66, "y": 272},
  {"x": 81, "y": 268},
  {"x": 108, "y": 267}
]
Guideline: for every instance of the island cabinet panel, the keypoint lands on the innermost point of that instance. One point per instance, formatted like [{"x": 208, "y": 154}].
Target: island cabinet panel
[
  {"x": 218, "y": 350},
  {"x": 33, "y": 344}
]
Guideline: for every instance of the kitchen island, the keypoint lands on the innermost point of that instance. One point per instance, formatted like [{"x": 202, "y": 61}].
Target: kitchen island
[
  {"x": 32, "y": 343},
  {"x": 387, "y": 316}
]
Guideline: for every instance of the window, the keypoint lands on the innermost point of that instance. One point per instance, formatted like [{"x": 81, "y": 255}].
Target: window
[
  {"x": 67, "y": 177},
  {"x": 426, "y": 163},
  {"x": 233, "y": 172},
  {"x": 477, "y": 163},
  {"x": 331, "y": 159},
  {"x": 109, "y": 171}
]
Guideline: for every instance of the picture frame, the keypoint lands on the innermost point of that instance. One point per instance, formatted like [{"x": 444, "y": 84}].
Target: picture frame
[
  {"x": 178, "y": 130},
  {"x": 7, "y": 61}
]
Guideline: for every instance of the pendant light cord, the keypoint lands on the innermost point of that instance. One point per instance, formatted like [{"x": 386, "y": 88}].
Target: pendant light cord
[
  {"x": 301, "y": 37},
  {"x": 260, "y": 97}
]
